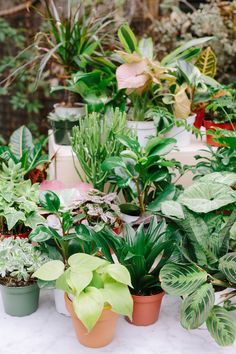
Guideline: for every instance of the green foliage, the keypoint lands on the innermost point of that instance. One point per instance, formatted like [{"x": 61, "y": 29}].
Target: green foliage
[
  {"x": 143, "y": 173},
  {"x": 206, "y": 62},
  {"x": 222, "y": 109},
  {"x": 143, "y": 252},
  {"x": 204, "y": 260},
  {"x": 19, "y": 259},
  {"x": 18, "y": 201},
  {"x": 23, "y": 151},
  {"x": 95, "y": 140},
  {"x": 93, "y": 282}
]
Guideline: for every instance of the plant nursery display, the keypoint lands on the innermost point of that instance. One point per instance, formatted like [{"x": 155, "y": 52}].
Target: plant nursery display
[
  {"x": 144, "y": 174},
  {"x": 22, "y": 150},
  {"x": 18, "y": 202},
  {"x": 96, "y": 292},
  {"x": 94, "y": 140},
  {"x": 19, "y": 260},
  {"x": 204, "y": 217},
  {"x": 143, "y": 252}
]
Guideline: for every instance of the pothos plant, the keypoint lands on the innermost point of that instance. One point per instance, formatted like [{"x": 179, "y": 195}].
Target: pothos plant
[
  {"x": 93, "y": 282},
  {"x": 205, "y": 259},
  {"x": 144, "y": 174},
  {"x": 19, "y": 260},
  {"x": 18, "y": 201}
]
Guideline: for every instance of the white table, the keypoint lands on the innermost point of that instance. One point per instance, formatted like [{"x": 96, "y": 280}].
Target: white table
[{"x": 47, "y": 332}]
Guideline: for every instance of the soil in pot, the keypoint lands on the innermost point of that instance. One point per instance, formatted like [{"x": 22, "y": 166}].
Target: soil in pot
[
  {"x": 62, "y": 131},
  {"x": 146, "y": 309},
  {"x": 20, "y": 301},
  {"x": 208, "y": 124},
  {"x": 103, "y": 331}
]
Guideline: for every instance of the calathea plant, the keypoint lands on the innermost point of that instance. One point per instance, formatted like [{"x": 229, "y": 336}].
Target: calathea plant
[
  {"x": 93, "y": 282},
  {"x": 62, "y": 236},
  {"x": 144, "y": 174},
  {"x": 18, "y": 201},
  {"x": 21, "y": 149},
  {"x": 204, "y": 261}
]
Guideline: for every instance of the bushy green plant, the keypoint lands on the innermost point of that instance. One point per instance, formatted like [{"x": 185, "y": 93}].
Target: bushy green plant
[
  {"x": 143, "y": 252},
  {"x": 94, "y": 140},
  {"x": 144, "y": 174},
  {"x": 18, "y": 201},
  {"x": 204, "y": 261},
  {"x": 19, "y": 259},
  {"x": 23, "y": 151},
  {"x": 94, "y": 283}
]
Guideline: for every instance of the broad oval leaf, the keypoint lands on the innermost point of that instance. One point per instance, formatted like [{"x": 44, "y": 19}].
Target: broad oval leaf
[
  {"x": 204, "y": 197},
  {"x": 40, "y": 234},
  {"x": 196, "y": 307},
  {"x": 227, "y": 265},
  {"x": 181, "y": 279},
  {"x": 119, "y": 273},
  {"x": 112, "y": 162},
  {"x": 206, "y": 62},
  {"x": 86, "y": 262},
  {"x": 228, "y": 178},
  {"x": 51, "y": 270},
  {"x": 21, "y": 141},
  {"x": 222, "y": 326},
  {"x": 171, "y": 208}
]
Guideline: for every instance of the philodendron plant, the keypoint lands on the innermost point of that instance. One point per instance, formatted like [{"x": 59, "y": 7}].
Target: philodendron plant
[
  {"x": 144, "y": 174},
  {"x": 204, "y": 217},
  {"x": 18, "y": 201},
  {"x": 93, "y": 283}
]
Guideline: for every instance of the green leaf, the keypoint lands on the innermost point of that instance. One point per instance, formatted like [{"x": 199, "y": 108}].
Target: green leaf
[
  {"x": 228, "y": 178},
  {"x": 21, "y": 141},
  {"x": 204, "y": 197},
  {"x": 112, "y": 162},
  {"x": 127, "y": 39},
  {"x": 79, "y": 279},
  {"x": 159, "y": 146},
  {"x": 88, "y": 306},
  {"x": 227, "y": 265},
  {"x": 13, "y": 217},
  {"x": 181, "y": 279},
  {"x": 40, "y": 234},
  {"x": 118, "y": 296},
  {"x": 166, "y": 194},
  {"x": 84, "y": 261},
  {"x": 51, "y": 270},
  {"x": 206, "y": 62},
  {"x": 221, "y": 326},
  {"x": 196, "y": 307},
  {"x": 146, "y": 48},
  {"x": 171, "y": 208},
  {"x": 131, "y": 143},
  {"x": 34, "y": 219},
  {"x": 119, "y": 273},
  {"x": 50, "y": 201}
]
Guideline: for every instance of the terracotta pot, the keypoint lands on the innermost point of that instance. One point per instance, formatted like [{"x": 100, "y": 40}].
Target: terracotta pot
[
  {"x": 208, "y": 124},
  {"x": 146, "y": 309},
  {"x": 103, "y": 331}
]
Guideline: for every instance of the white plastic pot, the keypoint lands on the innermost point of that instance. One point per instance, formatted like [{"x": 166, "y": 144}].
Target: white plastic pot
[
  {"x": 60, "y": 302},
  {"x": 182, "y": 136},
  {"x": 128, "y": 219},
  {"x": 144, "y": 130},
  {"x": 63, "y": 111}
]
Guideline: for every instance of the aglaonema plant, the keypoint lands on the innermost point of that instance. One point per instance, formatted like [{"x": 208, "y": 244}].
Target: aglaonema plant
[
  {"x": 205, "y": 260},
  {"x": 144, "y": 174},
  {"x": 93, "y": 282}
]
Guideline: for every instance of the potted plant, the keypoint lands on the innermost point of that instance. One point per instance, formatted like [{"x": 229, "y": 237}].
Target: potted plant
[
  {"x": 19, "y": 260},
  {"x": 144, "y": 174},
  {"x": 98, "y": 209},
  {"x": 96, "y": 291},
  {"x": 143, "y": 252},
  {"x": 94, "y": 140},
  {"x": 220, "y": 113},
  {"x": 19, "y": 199},
  {"x": 63, "y": 235},
  {"x": 21, "y": 149},
  {"x": 153, "y": 87},
  {"x": 205, "y": 260}
]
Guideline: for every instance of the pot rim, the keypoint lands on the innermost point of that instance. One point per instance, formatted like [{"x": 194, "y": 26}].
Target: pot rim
[
  {"x": 20, "y": 287},
  {"x": 148, "y": 298},
  {"x": 75, "y": 105}
]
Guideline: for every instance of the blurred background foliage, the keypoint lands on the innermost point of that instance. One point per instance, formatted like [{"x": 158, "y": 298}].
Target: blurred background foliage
[{"x": 168, "y": 22}]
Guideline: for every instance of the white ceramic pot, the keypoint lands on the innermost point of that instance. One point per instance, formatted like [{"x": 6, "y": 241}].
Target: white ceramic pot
[
  {"x": 60, "y": 302},
  {"x": 182, "y": 136},
  {"x": 144, "y": 130},
  {"x": 128, "y": 219},
  {"x": 63, "y": 111}
]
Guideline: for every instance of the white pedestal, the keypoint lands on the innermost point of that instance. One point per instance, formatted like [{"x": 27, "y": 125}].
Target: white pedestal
[{"x": 63, "y": 165}]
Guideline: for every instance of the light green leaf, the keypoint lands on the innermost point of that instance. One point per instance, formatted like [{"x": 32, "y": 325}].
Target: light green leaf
[
  {"x": 34, "y": 219},
  {"x": 127, "y": 38},
  {"x": 13, "y": 217},
  {"x": 222, "y": 326},
  {"x": 227, "y": 265},
  {"x": 172, "y": 209},
  {"x": 78, "y": 280},
  {"x": 181, "y": 279},
  {"x": 21, "y": 141},
  {"x": 146, "y": 48},
  {"x": 233, "y": 231},
  {"x": 83, "y": 261},
  {"x": 228, "y": 178},
  {"x": 196, "y": 307},
  {"x": 50, "y": 271},
  {"x": 204, "y": 197},
  {"x": 89, "y": 306},
  {"x": 119, "y": 273}
]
